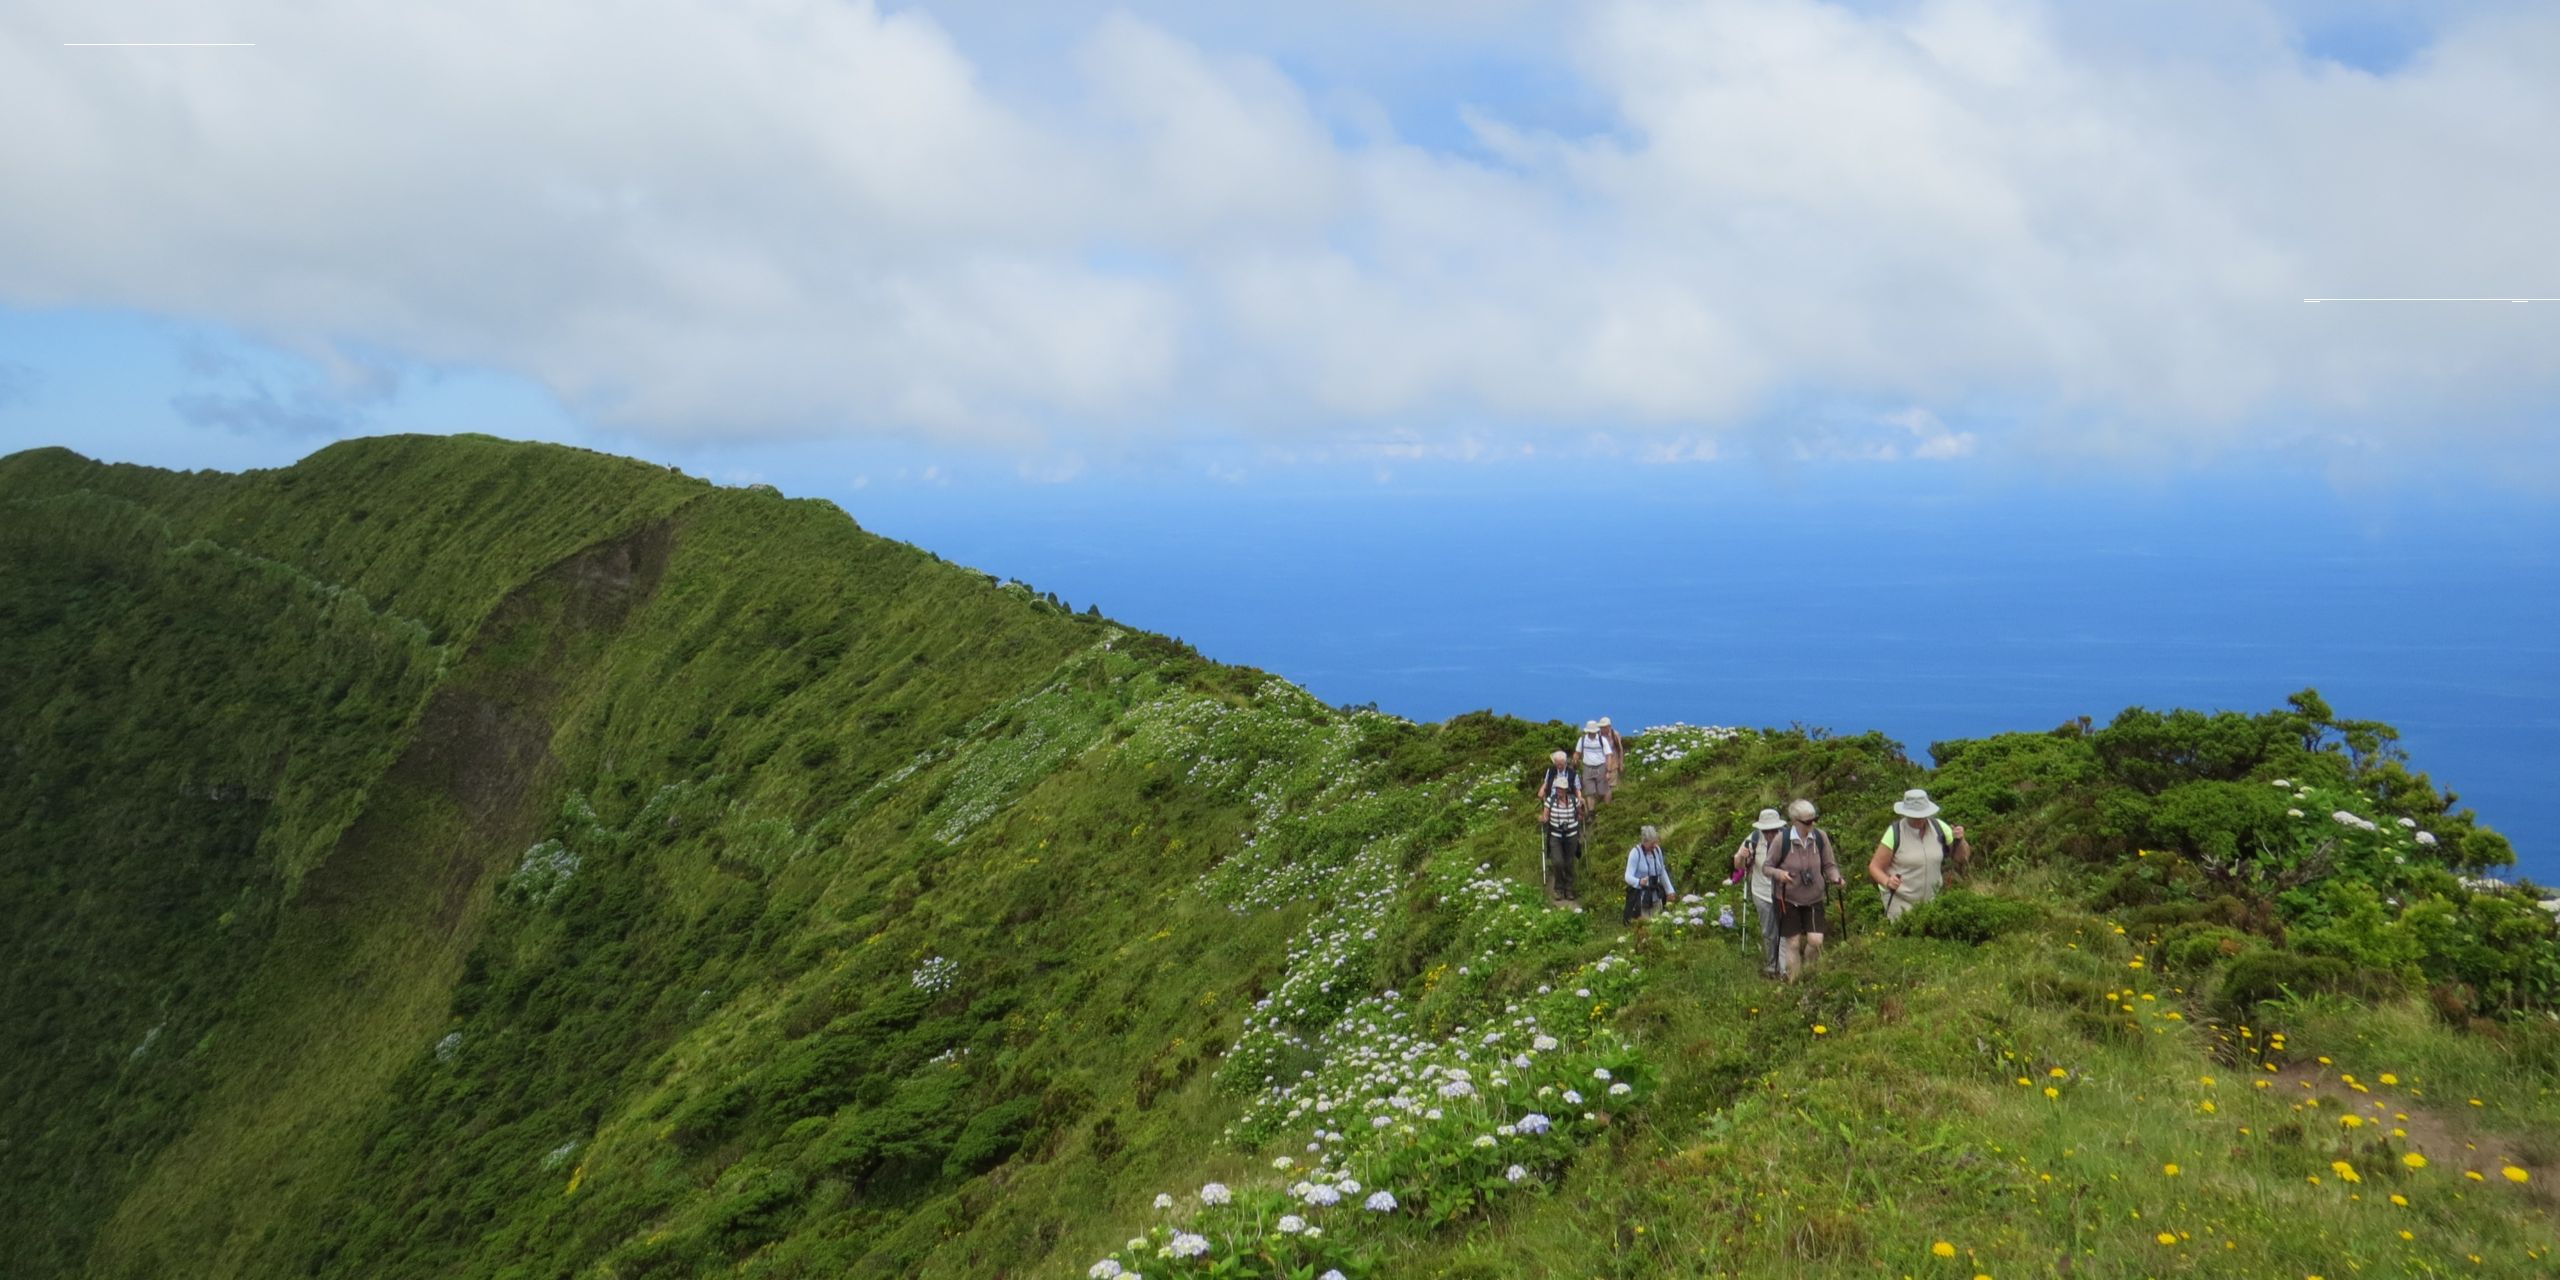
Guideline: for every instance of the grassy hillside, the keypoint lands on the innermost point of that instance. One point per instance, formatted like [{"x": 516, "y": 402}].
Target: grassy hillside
[{"x": 455, "y": 857}]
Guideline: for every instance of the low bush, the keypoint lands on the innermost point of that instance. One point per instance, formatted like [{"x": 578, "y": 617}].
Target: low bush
[{"x": 1961, "y": 915}]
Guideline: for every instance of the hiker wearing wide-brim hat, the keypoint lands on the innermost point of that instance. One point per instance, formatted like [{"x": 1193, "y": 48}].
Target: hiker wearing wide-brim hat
[
  {"x": 1617, "y": 767},
  {"x": 1802, "y": 871},
  {"x": 1752, "y": 861},
  {"x": 1911, "y": 858},
  {"x": 1594, "y": 750}
]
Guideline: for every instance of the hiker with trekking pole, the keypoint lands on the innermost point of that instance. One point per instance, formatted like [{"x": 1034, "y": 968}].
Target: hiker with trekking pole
[
  {"x": 1751, "y": 863},
  {"x": 1562, "y": 809},
  {"x": 1802, "y": 870},
  {"x": 1913, "y": 856}
]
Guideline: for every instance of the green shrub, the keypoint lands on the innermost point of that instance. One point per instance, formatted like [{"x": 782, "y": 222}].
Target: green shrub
[
  {"x": 1961, "y": 915},
  {"x": 2255, "y": 977},
  {"x": 991, "y": 1137},
  {"x": 2199, "y": 947}
]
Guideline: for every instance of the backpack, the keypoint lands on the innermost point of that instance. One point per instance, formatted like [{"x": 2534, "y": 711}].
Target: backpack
[
  {"x": 1786, "y": 846},
  {"x": 1946, "y": 836}
]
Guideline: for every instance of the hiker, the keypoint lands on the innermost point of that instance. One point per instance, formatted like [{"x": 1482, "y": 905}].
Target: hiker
[
  {"x": 1752, "y": 860},
  {"x": 1802, "y": 868},
  {"x": 1562, "y": 806},
  {"x": 1617, "y": 767},
  {"x": 1648, "y": 876},
  {"x": 1595, "y": 763},
  {"x": 1911, "y": 857}
]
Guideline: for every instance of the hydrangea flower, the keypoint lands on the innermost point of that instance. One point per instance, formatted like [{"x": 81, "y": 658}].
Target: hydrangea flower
[
  {"x": 1291, "y": 1224},
  {"x": 1164, "y": 1199},
  {"x": 1215, "y": 1193},
  {"x": 1534, "y": 1124},
  {"x": 1573, "y": 1097},
  {"x": 1187, "y": 1245},
  {"x": 1599, "y": 1073},
  {"x": 1323, "y": 1196},
  {"x": 1107, "y": 1269},
  {"x": 1516, "y": 1173},
  {"x": 1380, "y": 1202},
  {"x": 1621, "y": 1089},
  {"x": 1544, "y": 1043}
]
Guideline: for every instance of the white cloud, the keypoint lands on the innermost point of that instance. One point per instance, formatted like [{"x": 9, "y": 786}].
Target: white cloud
[{"x": 693, "y": 218}]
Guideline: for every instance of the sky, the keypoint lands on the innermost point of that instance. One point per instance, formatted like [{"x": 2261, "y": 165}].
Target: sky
[{"x": 975, "y": 269}]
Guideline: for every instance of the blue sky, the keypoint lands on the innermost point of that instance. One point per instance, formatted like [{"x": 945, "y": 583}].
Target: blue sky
[{"x": 980, "y": 270}]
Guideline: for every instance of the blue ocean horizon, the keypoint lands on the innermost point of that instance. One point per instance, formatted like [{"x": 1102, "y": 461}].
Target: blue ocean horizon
[{"x": 1930, "y": 614}]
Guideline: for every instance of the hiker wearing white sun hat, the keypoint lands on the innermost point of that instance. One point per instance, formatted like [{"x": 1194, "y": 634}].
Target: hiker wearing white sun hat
[
  {"x": 1617, "y": 752},
  {"x": 1594, "y": 752},
  {"x": 1752, "y": 860},
  {"x": 1911, "y": 857}
]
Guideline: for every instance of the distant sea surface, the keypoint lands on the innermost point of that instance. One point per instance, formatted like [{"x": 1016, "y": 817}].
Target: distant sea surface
[{"x": 1927, "y": 613}]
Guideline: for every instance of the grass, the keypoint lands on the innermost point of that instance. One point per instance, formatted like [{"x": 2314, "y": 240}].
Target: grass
[{"x": 453, "y": 857}]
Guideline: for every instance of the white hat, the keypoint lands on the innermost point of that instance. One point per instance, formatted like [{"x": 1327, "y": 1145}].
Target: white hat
[
  {"x": 1916, "y": 803},
  {"x": 1769, "y": 820},
  {"x": 1604, "y": 722},
  {"x": 1591, "y": 726}
]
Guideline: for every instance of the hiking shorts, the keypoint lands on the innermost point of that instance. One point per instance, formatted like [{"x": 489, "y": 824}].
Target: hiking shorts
[
  {"x": 1795, "y": 921},
  {"x": 1595, "y": 781}
]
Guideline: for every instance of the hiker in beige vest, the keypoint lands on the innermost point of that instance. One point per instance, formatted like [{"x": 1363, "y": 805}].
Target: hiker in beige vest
[{"x": 1911, "y": 857}]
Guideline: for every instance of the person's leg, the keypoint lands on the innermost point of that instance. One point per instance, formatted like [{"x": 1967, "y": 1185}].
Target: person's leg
[
  {"x": 1769, "y": 956},
  {"x": 1812, "y": 945},
  {"x": 1572, "y": 860},
  {"x": 1554, "y": 867}
]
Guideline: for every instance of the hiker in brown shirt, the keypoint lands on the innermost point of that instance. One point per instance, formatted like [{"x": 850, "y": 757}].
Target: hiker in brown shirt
[{"x": 1802, "y": 869}]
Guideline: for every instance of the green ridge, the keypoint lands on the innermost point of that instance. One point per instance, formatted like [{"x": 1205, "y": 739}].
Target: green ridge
[{"x": 449, "y": 857}]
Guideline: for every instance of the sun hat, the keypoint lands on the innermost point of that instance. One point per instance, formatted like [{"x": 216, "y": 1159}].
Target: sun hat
[
  {"x": 1604, "y": 722},
  {"x": 1591, "y": 726},
  {"x": 1769, "y": 820},
  {"x": 1916, "y": 803}
]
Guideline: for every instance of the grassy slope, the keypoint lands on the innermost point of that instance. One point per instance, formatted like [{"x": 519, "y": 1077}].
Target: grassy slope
[{"x": 793, "y": 763}]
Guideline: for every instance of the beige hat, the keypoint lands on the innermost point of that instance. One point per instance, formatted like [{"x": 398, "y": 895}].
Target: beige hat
[
  {"x": 1916, "y": 803},
  {"x": 1591, "y": 726},
  {"x": 1769, "y": 820},
  {"x": 1604, "y": 722}
]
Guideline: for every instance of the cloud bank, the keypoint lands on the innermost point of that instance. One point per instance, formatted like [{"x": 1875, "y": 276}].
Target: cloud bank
[{"x": 703, "y": 218}]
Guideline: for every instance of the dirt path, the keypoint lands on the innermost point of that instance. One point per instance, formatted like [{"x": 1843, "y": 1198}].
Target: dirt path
[{"x": 2447, "y": 1139}]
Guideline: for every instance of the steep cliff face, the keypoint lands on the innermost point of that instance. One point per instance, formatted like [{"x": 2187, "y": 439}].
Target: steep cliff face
[{"x": 454, "y": 857}]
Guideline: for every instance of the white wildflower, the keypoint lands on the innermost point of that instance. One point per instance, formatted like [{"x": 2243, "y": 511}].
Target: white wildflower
[
  {"x": 1215, "y": 1193},
  {"x": 1381, "y": 1202}
]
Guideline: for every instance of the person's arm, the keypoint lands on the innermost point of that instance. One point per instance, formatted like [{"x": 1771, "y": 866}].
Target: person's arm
[
  {"x": 1830, "y": 863},
  {"x": 1635, "y": 867},
  {"x": 1742, "y": 856},
  {"x": 1878, "y": 867}
]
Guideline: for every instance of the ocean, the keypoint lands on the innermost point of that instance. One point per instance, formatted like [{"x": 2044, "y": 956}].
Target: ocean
[{"x": 1928, "y": 610}]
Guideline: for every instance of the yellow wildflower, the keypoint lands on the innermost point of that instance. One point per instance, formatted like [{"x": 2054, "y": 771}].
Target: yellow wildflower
[
  {"x": 2056, "y": 1072},
  {"x": 2388, "y": 1078},
  {"x": 2414, "y": 1160},
  {"x": 2169, "y": 1170},
  {"x": 2515, "y": 1174},
  {"x": 1943, "y": 1249},
  {"x": 2399, "y": 1199},
  {"x": 2166, "y": 1237},
  {"x": 2345, "y": 1170},
  {"x": 2051, "y": 1092},
  {"x": 1821, "y": 1030}
]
